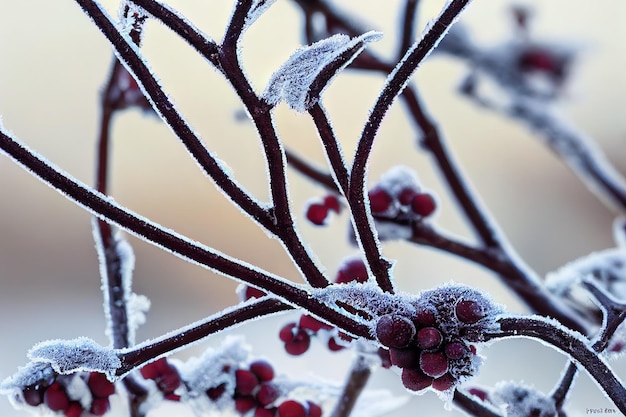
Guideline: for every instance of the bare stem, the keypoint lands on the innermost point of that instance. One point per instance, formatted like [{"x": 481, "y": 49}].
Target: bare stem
[{"x": 355, "y": 383}]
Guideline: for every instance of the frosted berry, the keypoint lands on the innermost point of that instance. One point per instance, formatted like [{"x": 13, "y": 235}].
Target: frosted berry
[
  {"x": 99, "y": 385},
  {"x": 429, "y": 338},
  {"x": 469, "y": 311},
  {"x": 332, "y": 203},
  {"x": 316, "y": 213},
  {"x": 396, "y": 331},
  {"x": 56, "y": 398},
  {"x": 291, "y": 408},
  {"x": 404, "y": 358},
  {"x": 433, "y": 364},
  {"x": 267, "y": 394},
  {"x": 352, "y": 270},
  {"x": 415, "y": 380},
  {"x": 264, "y": 412},
  {"x": 424, "y": 318},
  {"x": 423, "y": 204},
  {"x": 406, "y": 196},
  {"x": 314, "y": 410},
  {"x": 33, "y": 395},
  {"x": 74, "y": 409},
  {"x": 380, "y": 200},
  {"x": 263, "y": 370},
  {"x": 245, "y": 381},
  {"x": 100, "y": 406},
  {"x": 444, "y": 382},
  {"x": 455, "y": 350},
  {"x": 245, "y": 404}
]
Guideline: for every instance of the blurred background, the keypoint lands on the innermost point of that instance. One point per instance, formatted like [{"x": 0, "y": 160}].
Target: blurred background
[{"x": 53, "y": 63}]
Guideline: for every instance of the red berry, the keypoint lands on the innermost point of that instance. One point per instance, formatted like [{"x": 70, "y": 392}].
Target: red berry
[
  {"x": 380, "y": 200},
  {"x": 429, "y": 338},
  {"x": 154, "y": 369},
  {"x": 33, "y": 395},
  {"x": 267, "y": 394},
  {"x": 311, "y": 323},
  {"x": 297, "y": 348},
  {"x": 393, "y": 330},
  {"x": 423, "y": 204},
  {"x": 424, "y": 318},
  {"x": 56, "y": 398},
  {"x": 404, "y": 358},
  {"x": 287, "y": 332},
  {"x": 317, "y": 213},
  {"x": 74, "y": 409},
  {"x": 171, "y": 397},
  {"x": 264, "y": 412},
  {"x": 477, "y": 392},
  {"x": 291, "y": 408},
  {"x": 406, "y": 195},
  {"x": 245, "y": 404},
  {"x": 246, "y": 381},
  {"x": 469, "y": 311},
  {"x": 100, "y": 406},
  {"x": 314, "y": 409},
  {"x": 99, "y": 385},
  {"x": 333, "y": 346},
  {"x": 385, "y": 359},
  {"x": 352, "y": 270},
  {"x": 444, "y": 382},
  {"x": 262, "y": 369},
  {"x": 455, "y": 350},
  {"x": 433, "y": 364},
  {"x": 332, "y": 203},
  {"x": 537, "y": 59},
  {"x": 297, "y": 340},
  {"x": 216, "y": 392},
  {"x": 169, "y": 381},
  {"x": 252, "y": 292},
  {"x": 415, "y": 380}
]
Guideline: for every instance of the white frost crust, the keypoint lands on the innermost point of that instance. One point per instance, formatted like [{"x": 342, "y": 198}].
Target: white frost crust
[
  {"x": 81, "y": 354},
  {"x": 293, "y": 80},
  {"x": 519, "y": 400}
]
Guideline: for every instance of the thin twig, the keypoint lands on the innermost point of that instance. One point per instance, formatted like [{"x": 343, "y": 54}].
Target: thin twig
[{"x": 356, "y": 380}]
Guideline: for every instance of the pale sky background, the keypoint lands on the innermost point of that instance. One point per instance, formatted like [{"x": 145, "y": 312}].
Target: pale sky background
[{"x": 53, "y": 62}]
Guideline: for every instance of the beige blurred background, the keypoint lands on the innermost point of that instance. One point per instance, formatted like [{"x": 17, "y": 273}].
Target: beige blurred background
[{"x": 53, "y": 63}]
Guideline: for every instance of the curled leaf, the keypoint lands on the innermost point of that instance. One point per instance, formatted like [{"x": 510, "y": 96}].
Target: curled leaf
[{"x": 301, "y": 80}]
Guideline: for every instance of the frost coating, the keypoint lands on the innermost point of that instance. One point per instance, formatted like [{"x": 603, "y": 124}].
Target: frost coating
[
  {"x": 29, "y": 374},
  {"x": 519, "y": 400},
  {"x": 81, "y": 354},
  {"x": 301, "y": 80}
]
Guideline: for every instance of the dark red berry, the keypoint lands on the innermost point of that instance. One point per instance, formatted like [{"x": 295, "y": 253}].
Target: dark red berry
[
  {"x": 74, "y": 409},
  {"x": 264, "y": 412},
  {"x": 444, "y": 382},
  {"x": 469, "y": 311},
  {"x": 433, "y": 364},
  {"x": 216, "y": 392},
  {"x": 424, "y": 318},
  {"x": 423, "y": 204},
  {"x": 33, "y": 395},
  {"x": 429, "y": 338},
  {"x": 56, "y": 398},
  {"x": 380, "y": 200},
  {"x": 245, "y": 404},
  {"x": 287, "y": 332},
  {"x": 298, "y": 347},
  {"x": 154, "y": 369},
  {"x": 537, "y": 59},
  {"x": 291, "y": 408},
  {"x": 393, "y": 330},
  {"x": 245, "y": 381},
  {"x": 169, "y": 381},
  {"x": 404, "y": 358},
  {"x": 262, "y": 369},
  {"x": 477, "y": 392},
  {"x": 100, "y": 406},
  {"x": 311, "y": 323},
  {"x": 352, "y": 270},
  {"x": 267, "y": 394},
  {"x": 317, "y": 213},
  {"x": 385, "y": 359},
  {"x": 333, "y": 346},
  {"x": 332, "y": 203},
  {"x": 172, "y": 397},
  {"x": 455, "y": 350},
  {"x": 314, "y": 410},
  {"x": 100, "y": 386},
  {"x": 252, "y": 292},
  {"x": 415, "y": 380},
  {"x": 406, "y": 196}
]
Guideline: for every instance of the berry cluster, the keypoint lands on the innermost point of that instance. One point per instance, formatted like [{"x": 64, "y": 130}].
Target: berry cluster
[
  {"x": 255, "y": 390},
  {"x": 297, "y": 336},
  {"x": 317, "y": 211},
  {"x": 66, "y": 394},
  {"x": 433, "y": 347},
  {"x": 398, "y": 195},
  {"x": 166, "y": 377}
]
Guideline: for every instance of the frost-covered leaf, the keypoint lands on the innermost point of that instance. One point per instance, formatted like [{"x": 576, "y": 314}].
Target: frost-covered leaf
[
  {"x": 301, "y": 80},
  {"x": 25, "y": 376},
  {"x": 81, "y": 354}
]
